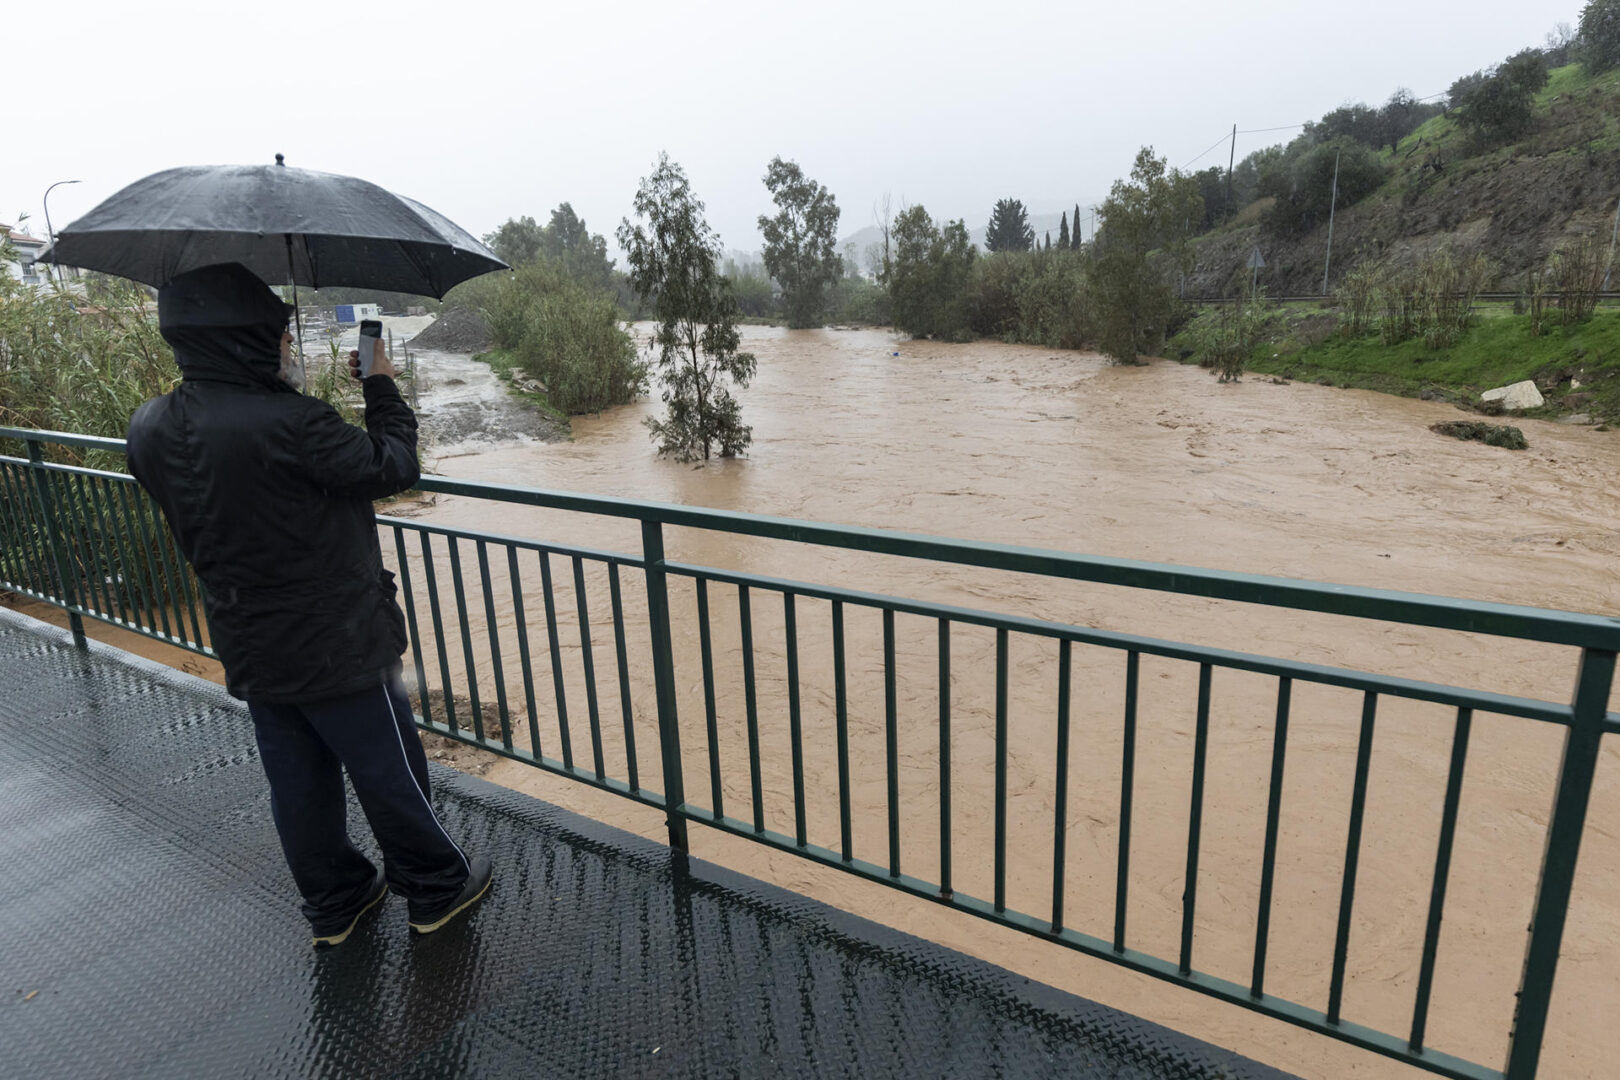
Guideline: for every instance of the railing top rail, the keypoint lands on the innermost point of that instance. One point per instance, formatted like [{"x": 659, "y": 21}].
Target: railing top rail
[
  {"x": 66, "y": 438},
  {"x": 1417, "y": 609},
  {"x": 1443, "y": 612}
]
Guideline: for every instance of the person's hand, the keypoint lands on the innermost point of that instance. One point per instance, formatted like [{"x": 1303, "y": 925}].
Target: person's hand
[{"x": 381, "y": 366}]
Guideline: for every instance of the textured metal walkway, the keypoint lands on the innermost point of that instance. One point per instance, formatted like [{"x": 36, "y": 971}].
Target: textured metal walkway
[{"x": 148, "y": 928}]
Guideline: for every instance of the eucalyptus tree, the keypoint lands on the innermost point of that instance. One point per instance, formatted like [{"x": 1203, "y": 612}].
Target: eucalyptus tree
[
  {"x": 672, "y": 254},
  {"x": 801, "y": 241}
]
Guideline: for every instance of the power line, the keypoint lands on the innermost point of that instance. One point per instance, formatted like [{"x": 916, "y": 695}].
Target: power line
[
  {"x": 1217, "y": 142},
  {"x": 1261, "y": 131}
]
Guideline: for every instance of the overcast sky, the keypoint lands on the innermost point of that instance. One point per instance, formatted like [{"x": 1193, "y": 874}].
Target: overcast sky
[{"x": 486, "y": 109}]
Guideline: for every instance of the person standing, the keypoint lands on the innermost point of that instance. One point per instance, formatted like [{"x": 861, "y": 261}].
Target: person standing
[{"x": 268, "y": 494}]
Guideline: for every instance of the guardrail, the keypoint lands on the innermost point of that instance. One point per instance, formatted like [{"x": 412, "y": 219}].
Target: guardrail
[{"x": 89, "y": 541}]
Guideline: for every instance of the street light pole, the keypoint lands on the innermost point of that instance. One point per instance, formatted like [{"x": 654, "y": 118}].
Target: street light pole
[{"x": 50, "y": 234}]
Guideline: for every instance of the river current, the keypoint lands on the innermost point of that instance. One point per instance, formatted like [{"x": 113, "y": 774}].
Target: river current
[{"x": 1020, "y": 445}]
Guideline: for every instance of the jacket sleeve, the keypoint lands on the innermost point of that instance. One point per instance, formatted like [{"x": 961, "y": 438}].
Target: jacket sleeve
[{"x": 375, "y": 461}]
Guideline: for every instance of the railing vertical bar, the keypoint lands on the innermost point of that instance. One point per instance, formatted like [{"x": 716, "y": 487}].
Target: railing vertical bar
[
  {"x": 891, "y": 730},
  {"x": 494, "y": 644},
  {"x": 40, "y": 557},
  {"x": 587, "y": 652},
  {"x": 19, "y": 567},
  {"x": 751, "y": 705},
  {"x": 1127, "y": 776},
  {"x": 1268, "y": 860},
  {"x": 139, "y": 560},
  {"x": 1060, "y": 810},
  {"x": 465, "y": 627},
  {"x": 72, "y": 538},
  {"x": 51, "y": 537},
  {"x": 1195, "y": 818},
  {"x": 622, "y": 655},
  {"x": 95, "y": 581},
  {"x": 557, "y": 684},
  {"x": 187, "y": 575},
  {"x": 163, "y": 583},
  {"x": 945, "y": 757},
  {"x": 173, "y": 564},
  {"x": 153, "y": 561},
  {"x": 12, "y": 555},
  {"x": 669, "y": 731},
  {"x": 706, "y": 647},
  {"x": 1352, "y": 856},
  {"x": 431, "y": 575},
  {"x": 521, "y": 624},
  {"x": 841, "y": 719},
  {"x": 411, "y": 623},
  {"x": 1582, "y": 744},
  {"x": 1442, "y": 872},
  {"x": 120, "y": 560},
  {"x": 795, "y": 719},
  {"x": 1001, "y": 771}
]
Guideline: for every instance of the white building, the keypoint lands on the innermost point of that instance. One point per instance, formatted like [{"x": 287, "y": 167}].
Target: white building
[
  {"x": 21, "y": 259},
  {"x": 21, "y": 252}
]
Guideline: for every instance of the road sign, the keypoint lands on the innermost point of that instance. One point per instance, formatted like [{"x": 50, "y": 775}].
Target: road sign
[{"x": 1256, "y": 260}]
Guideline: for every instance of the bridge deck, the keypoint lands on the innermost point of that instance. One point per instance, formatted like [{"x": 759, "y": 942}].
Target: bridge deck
[{"x": 150, "y": 929}]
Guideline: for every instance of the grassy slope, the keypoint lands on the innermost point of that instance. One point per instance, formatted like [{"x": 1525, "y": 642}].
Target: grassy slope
[{"x": 1498, "y": 349}]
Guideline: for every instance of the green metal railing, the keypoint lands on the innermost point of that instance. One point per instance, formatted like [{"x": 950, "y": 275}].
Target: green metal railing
[{"x": 89, "y": 541}]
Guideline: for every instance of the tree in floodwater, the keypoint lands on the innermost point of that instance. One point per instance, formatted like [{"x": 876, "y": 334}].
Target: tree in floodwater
[
  {"x": 1143, "y": 241},
  {"x": 1009, "y": 229},
  {"x": 801, "y": 241},
  {"x": 672, "y": 258},
  {"x": 929, "y": 279}
]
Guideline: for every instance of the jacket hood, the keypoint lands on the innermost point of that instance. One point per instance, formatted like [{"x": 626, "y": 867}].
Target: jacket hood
[{"x": 225, "y": 325}]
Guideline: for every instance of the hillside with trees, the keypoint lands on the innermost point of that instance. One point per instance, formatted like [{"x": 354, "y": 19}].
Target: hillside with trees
[{"x": 1516, "y": 161}]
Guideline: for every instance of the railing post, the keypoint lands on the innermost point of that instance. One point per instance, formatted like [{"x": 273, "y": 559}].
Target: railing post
[
  {"x": 1581, "y": 746},
  {"x": 53, "y": 537},
  {"x": 669, "y": 735}
]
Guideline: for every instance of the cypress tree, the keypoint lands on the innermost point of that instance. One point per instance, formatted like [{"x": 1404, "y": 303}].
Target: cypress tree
[
  {"x": 1048, "y": 239},
  {"x": 1077, "y": 235},
  {"x": 1063, "y": 233}
]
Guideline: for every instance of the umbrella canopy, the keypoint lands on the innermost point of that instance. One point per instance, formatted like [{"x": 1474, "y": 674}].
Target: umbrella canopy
[{"x": 287, "y": 225}]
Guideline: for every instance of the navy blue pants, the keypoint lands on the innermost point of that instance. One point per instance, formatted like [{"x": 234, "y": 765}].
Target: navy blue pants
[{"x": 305, "y": 750}]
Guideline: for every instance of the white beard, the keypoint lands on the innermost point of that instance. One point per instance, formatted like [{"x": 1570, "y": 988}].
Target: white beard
[{"x": 292, "y": 373}]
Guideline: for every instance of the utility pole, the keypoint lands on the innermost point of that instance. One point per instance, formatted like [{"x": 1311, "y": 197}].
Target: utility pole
[
  {"x": 1332, "y": 206},
  {"x": 1231, "y": 159},
  {"x": 1609, "y": 269}
]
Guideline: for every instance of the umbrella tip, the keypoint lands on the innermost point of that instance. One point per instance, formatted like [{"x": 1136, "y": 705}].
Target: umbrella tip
[{"x": 281, "y": 159}]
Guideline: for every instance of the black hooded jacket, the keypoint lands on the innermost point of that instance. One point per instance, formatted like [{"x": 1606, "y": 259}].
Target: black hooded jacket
[{"x": 269, "y": 494}]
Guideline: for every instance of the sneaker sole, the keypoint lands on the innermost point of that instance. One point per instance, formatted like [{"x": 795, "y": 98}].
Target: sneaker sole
[
  {"x": 428, "y": 928},
  {"x": 326, "y": 941}
]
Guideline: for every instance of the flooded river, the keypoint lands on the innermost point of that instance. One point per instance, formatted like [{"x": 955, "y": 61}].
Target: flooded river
[{"x": 1058, "y": 450}]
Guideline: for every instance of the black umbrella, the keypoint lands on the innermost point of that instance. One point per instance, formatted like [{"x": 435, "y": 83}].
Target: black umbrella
[{"x": 284, "y": 224}]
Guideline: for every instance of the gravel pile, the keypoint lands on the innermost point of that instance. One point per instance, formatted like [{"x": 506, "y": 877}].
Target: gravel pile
[{"x": 457, "y": 329}]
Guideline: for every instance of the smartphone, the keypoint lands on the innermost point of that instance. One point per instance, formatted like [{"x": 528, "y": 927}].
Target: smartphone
[{"x": 370, "y": 334}]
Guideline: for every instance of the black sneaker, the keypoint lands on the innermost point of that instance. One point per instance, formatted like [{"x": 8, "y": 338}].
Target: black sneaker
[
  {"x": 378, "y": 891},
  {"x": 472, "y": 892}
]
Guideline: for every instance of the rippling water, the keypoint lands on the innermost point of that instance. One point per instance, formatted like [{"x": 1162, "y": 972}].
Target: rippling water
[{"x": 1019, "y": 445}]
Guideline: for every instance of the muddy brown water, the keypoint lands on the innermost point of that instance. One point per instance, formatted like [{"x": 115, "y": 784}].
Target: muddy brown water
[{"x": 1058, "y": 450}]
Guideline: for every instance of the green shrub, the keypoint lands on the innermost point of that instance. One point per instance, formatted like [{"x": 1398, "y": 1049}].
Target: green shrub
[{"x": 566, "y": 334}]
